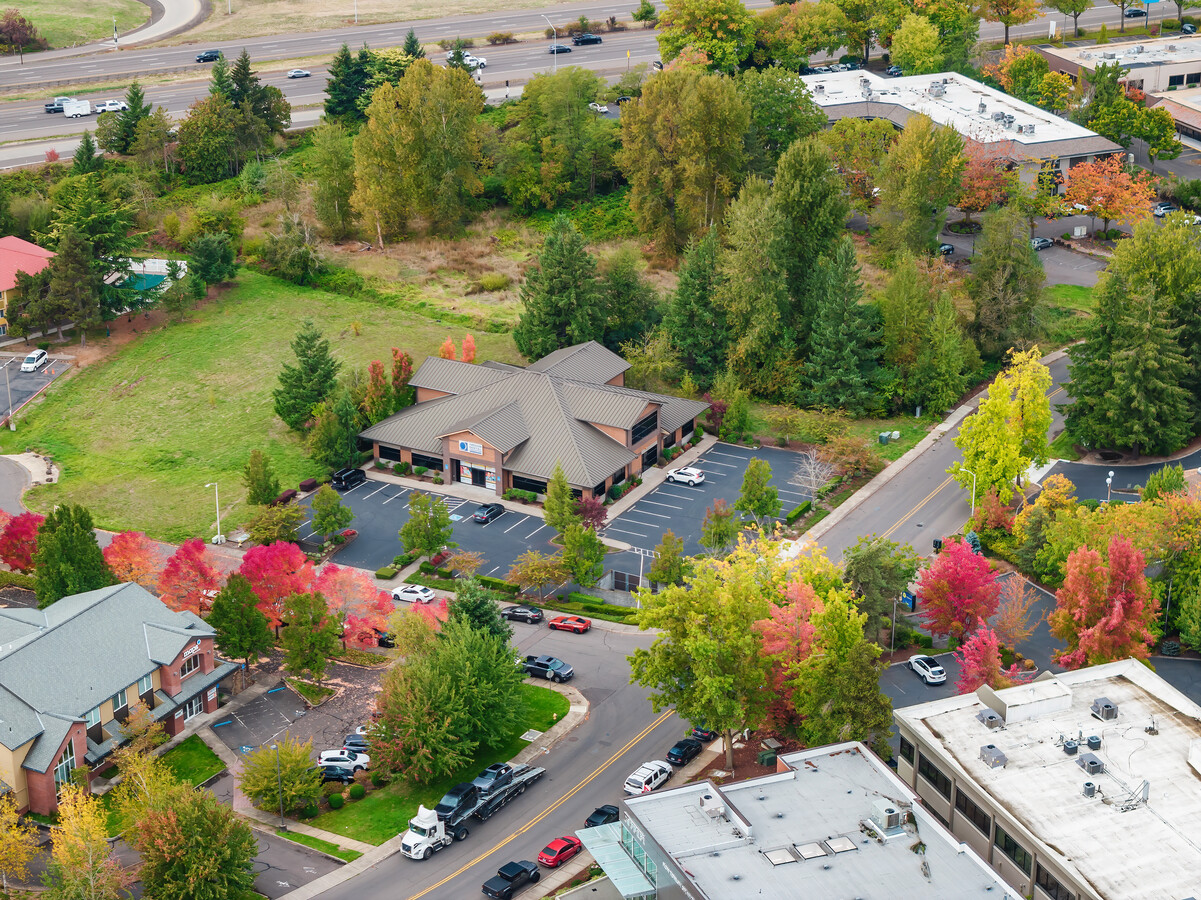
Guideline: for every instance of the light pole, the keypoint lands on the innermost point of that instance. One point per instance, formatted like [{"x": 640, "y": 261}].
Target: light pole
[
  {"x": 973, "y": 474},
  {"x": 280, "y": 782},
  {"x": 12, "y": 426},
  {"x": 218, "y": 538},
  {"x": 1109, "y": 486},
  {"x": 554, "y": 43},
  {"x": 892, "y": 637}
]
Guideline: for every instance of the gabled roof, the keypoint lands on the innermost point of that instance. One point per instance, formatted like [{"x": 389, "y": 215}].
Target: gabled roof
[
  {"x": 454, "y": 377},
  {"x": 589, "y": 362},
  {"x": 503, "y": 428},
  {"x": 16, "y": 256}
]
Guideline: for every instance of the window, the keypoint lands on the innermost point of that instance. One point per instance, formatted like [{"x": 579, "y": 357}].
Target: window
[
  {"x": 939, "y": 781},
  {"x": 430, "y": 462},
  {"x": 120, "y": 701},
  {"x": 907, "y": 751},
  {"x": 971, "y": 811},
  {"x": 1174, "y": 80},
  {"x": 1013, "y": 850},
  {"x": 1193, "y": 78},
  {"x": 643, "y": 427},
  {"x": 145, "y": 684},
  {"x": 1050, "y": 886},
  {"x": 193, "y": 707},
  {"x": 190, "y": 665},
  {"x": 529, "y": 484},
  {"x": 92, "y": 717},
  {"x": 66, "y": 764},
  {"x": 389, "y": 453}
]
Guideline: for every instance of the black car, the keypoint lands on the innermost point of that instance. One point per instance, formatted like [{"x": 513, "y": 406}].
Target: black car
[
  {"x": 488, "y": 512},
  {"x": 1135, "y": 13},
  {"x": 335, "y": 774},
  {"x": 586, "y": 38},
  {"x": 208, "y": 56},
  {"x": 684, "y": 750},
  {"x": 893, "y": 72},
  {"x": 347, "y": 478},
  {"x": 623, "y": 99},
  {"x": 530, "y": 614},
  {"x": 1187, "y": 28},
  {"x": 510, "y": 878},
  {"x": 384, "y": 639},
  {"x": 558, "y": 48},
  {"x": 946, "y": 249},
  {"x": 461, "y": 798},
  {"x": 706, "y": 735},
  {"x": 548, "y": 667},
  {"x": 355, "y": 742},
  {"x": 602, "y": 815}
]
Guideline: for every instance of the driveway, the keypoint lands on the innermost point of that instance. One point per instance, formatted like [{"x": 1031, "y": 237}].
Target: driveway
[{"x": 1062, "y": 266}]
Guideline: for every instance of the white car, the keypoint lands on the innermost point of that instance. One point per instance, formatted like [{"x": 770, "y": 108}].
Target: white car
[
  {"x": 35, "y": 361},
  {"x": 688, "y": 475},
  {"x": 471, "y": 62},
  {"x": 412, "y": 593},
  {"x": 299, "y": 73},
  {"x": 928, "y": 669},
  {"x": 347, "y": 759},
  {"x": 598, "y": 107},
  {"x": 647, "y": 777},
  {"x": 110, "y": 106}
]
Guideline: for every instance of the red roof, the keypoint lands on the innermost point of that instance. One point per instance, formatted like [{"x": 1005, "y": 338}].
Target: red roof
[{"x": 16, "y": 256}]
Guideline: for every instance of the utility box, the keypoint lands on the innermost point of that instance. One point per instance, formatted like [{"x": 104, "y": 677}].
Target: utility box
[
  {"x": 1079, "y": 231},
  {"x": 884, "y": 437},
  {"x": 766, "y": 758}
]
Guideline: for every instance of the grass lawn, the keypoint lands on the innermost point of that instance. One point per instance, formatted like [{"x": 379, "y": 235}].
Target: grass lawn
[
  {"x": 313, "y": 693},
  {"x": 139, "y": 434},
  {"x": 1062, "y": 447},
  {"x": 385, "y": 813},
  {"x": 193, "y": 762},
  {"x": 912, "y": 430},
  {"x": 318, "y": 844},
  {"x": 65, "y": 25},
  {"x": 1070, "y": 296}
]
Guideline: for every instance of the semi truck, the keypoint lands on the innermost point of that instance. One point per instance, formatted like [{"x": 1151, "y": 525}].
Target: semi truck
[{"x": 432, "y": 829}]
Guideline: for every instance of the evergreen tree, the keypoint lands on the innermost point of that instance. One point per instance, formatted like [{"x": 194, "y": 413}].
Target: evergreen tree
[
  {"x": 694, "y": 321},
  {"x": 68, "y": 559},
  {"x": 562, "y": 302},
  {"x": 88, "y": 157},
  {"x": 303, "y": 386},
  {"x": 311, "y": 635},
  {"x": 1006, "y": 284},
  {"x": 242, "y": 629},
  {"x": 262, "y": 485},
  {"x": 759, "y": 498},
  {"x": 476, "y": 605},
  {"x": 73, "y": 282},
  {"x": 559, "y": 506},
  {"x": 128, "y": 119},
  {"x": 333, "y": 440},
  {"x": 842, "y": 370},
  {"x": 944, "y": 360},
  {"x": 632, "y": 304},
  {"x": 262, "y": 106},
  {"x": 348, "y": 76},
  {"x": 412, "y": 47},
  {"x": 220, "y": 84},
  {"x": 213, "y": 258}
]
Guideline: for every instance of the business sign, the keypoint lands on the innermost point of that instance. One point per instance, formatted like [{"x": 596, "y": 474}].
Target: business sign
[
  {"x": 191, "y": 650},
  {"x": 468, "y": 447}
]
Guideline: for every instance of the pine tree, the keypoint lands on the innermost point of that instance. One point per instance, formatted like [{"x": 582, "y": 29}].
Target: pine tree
[
  {"x": 1006, "y": 285},
  {"x": 128, "y": 119},
  {"x": 559, "y": 506},
  {"x": 309, "y": 382},
  {"x": 842, "y": 370},
  {"x": 561, "y": 300},
  {"x": 220, "y": 84},
  {"x": 696, "y": 324},
  {"x": 262, "y": 485},
  {"x": 347, "y": 81},
  {"x": 88, "y": 158},
  {"x": 72, "y": 282},
  {"x": 68, "y": 559},
  {"x": 945, "y": 356},
  {"x": 334, "y": 437},
  {"x": 412, "y": 46}
]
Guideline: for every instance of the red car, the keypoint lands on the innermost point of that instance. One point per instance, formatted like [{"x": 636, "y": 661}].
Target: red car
[
  {"x": 578, "y": 624},
  {"x": 559, "y": 851}
]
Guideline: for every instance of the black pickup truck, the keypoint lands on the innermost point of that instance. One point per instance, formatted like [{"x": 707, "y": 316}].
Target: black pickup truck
[{"x": 510, "y": 878}]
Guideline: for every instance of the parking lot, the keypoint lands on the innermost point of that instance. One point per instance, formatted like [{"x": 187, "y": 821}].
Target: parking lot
[{"x": 21, "y": 386}]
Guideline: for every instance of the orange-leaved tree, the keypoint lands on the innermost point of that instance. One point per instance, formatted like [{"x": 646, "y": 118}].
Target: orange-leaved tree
[
  {"x": 1109, "y": 191},
  {"x": 132, "y": 557}
]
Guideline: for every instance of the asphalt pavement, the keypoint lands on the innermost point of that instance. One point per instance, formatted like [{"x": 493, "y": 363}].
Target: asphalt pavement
[{"x": 19, "y": 387}]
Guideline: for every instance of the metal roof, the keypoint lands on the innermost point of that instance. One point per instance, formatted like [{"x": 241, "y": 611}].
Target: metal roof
[
  {"x": 503, "y": 428},
  {"x": 604, "y": 843},
  {"x": 454, "y": 377},
  {"x": 582, "y": 362}
]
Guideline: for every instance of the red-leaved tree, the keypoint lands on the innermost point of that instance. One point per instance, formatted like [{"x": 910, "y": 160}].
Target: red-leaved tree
[
  {"x": 276, "y": 572},
  {"x": 358, "y": 606},
  {"x": 980, "y": 663},
  {"x": 132, "y": 557},
  {"x": 592, "y": 512},
  {"x": 187, "y": 576},
  {"x": 434, "y": 613},
  {"x": 468, "y": 354},
  {"x": 1104, "y": 612},
  {"x": 377, "y": 402},
  {"x": 447, "y": 350},
  {"x": 19, "y": 541},
  {"x": 402, "y": 371},
  {"x": 787, "y": 636},
  {"x": 957, "y": 591}
]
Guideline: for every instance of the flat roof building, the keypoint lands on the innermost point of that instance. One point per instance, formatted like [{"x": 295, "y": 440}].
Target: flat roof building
[
  {"x": 1021, "y": 132},
  {"x": 1151, "y": 64},
  {"x": 1085, "y": 784},
  {"x": 500, "y": 426},
  {"x": 833, "y": 823}
]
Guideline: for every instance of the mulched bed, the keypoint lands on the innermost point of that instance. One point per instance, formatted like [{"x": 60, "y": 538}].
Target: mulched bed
[
  {"x": 745, "y": 765},
  {"x": 14, "y": 596}
]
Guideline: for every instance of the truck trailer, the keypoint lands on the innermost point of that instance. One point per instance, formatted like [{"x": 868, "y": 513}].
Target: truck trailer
[{"x": 73, "y": 109}]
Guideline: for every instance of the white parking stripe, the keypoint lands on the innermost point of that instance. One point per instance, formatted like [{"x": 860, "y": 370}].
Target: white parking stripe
[
  {"x": 710, "y": 462},
  {"x": 664, "y": 505},
  {"x": 535, "y": 531},
  {"x": 396, "y": 496},
  {"x": 792, "y": 493},
  {"x": 377, "y": 490},
  {"x": 727, "y": 455},
  {"x": 623, "y": 531},
  {"x": 647, "y": 512},
  {"x": 641, "y": 524},
  {"x": 511, "y": 527},
  {"x": 679, "y": 487}
]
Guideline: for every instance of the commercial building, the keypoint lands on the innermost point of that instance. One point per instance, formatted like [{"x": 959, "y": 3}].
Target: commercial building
[
  {"x": 500, "y": 426},
  {"x": 833, "y": 823},
  {"x": 1151, "y": 64},
  {"x": 1085, "y": 784},
  {"x": 16, "y": 256},
  {"x": 69, "y": 674},
  {"x": 1031, "y": 138}
]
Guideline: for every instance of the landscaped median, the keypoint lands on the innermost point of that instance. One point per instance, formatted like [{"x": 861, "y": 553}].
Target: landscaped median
[{"x": 384, "y": 813}]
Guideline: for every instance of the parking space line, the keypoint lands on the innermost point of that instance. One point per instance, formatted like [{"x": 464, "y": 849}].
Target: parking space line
[
  {"x": 457, "y": 506},
  {"x": 493, "y": 569},
  {"x": 684, "y": 487},
  {"x": 647, "y": 512},
  {"x": 710, "y": 462},
  {"x": 376, "y": 491},
  {"x": 664, "y": 505},
  {"x": 625, "y": 521},
  {"x": 535, "y": 531},
  {"x": 727, "y": 455},
  {"x": 395, "y": 496},
  {"x": 792, "y": 493},
  {"x": 511, "y": 527},
  {"x": 623, "y": 531}
]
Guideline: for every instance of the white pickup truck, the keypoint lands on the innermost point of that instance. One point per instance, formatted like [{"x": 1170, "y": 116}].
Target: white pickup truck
[
  {"x": 110, "y": 106},
  {"x": 73, "y": 109}
]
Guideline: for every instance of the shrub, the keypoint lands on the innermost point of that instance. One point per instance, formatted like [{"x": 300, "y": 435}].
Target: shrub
[
  {"x": 491, "y": 282},
  {"x": 309, "y": 812},
  {"x": 378, "y": 780},
  {"x": 285, "y": 498},
  {"x": 798, "y": 511},
  {"x": 44, "y": 345},
  {"x": 340, "y": 281},
  {"x": 402, "y": 468},
  {"x": 405, "y": 559},
  {"x": 336, "y": 801},
  {"x": 440, "y": 557},
  {"x": 357, "y": 792},
  {"x": 925, "y": 642},
  {"x": 519, "y": 494},
  {"x": 433, "y": 571},
  {"x": 330, "y": 788},
  {"x": 309, "y": 484},
  {"x": 386, "y": 572},
  {"x": 498, "y": 584},
  {"x": 500, "y": 37},
  {"x": 438, "y": 479},
  {"x": 420, "y": 470},
  {"x": 18, "y": 579}
]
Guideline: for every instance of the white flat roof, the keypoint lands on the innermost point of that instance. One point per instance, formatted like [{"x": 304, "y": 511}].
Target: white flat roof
[
  {"x": 799, "y": 834},
  {"x": 958, "y": 105},
  {"x": 1133, "y": 54},
  {"x": 1126, "y": 847}
]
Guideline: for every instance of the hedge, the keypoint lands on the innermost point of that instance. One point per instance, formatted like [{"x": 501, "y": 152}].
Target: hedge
[
  {"x": 798, "y": 511},
  {"x": 429, "y": 581},
  {"x": 498, "y": 584},
  {"x": 309, "y": 484},
  {"x": 427, "y": 569},
  {"x": 386, "y": 572},
  {"x": 405, "y": 559},
  {"x": 16, "y": 579},
  {"x": 519, "y": 494}
]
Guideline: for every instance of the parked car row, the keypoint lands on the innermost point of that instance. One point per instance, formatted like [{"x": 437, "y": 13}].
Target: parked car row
[
  {"x": 339, "y": 766},
  {"x": 532, "y": 615}
]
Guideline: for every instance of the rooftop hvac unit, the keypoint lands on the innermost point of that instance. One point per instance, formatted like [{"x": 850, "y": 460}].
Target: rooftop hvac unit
[
  {"x": 885, "y": 814},
  {"x": 1070, "y": 747},
  {"x": 993, "y": 757},
  {"x": 946, "y": 80},
  {"x": 990, "y": 719},
  {"x": 1021, "y": 129},
  {"x": 711, "y": 806},
  {"x": 1094, "y": 742},
  {"x": 1138, "y": 48},
  {"x": 1009, "y": 120},
  {"x": 998, "y": 116},
  {"x": 1030, "y": 128},
  {"x": 819, "y": 89},
  {"x": 1109, "y": 54},
  {"x": 864, "y": 81},
  {"x": 1105, "y": 709},
  {"x": 1091, "y": 764},
  {"x": 1090, "y": 789},
  {"x": 937, "y": 90},
  {"x": 1171, "y": 48}
]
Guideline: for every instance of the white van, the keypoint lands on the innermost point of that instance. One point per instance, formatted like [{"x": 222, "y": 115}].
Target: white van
[
  {"x": 34, "y": 361},
  {"x": 647, "y": 777}
]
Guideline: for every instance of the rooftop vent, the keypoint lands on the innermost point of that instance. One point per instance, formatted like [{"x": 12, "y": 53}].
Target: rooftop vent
[
  {"x": 1030, "y": 128},
  {"x": 1171, "y": 48},
  {"x": 885, "y": 814},
  {"x": 1070, "y": 747},
  {"x": 711, "y": 806},
  {"x": 993, "y": 757},
  {"x": 1108, "y": 54},
  {"x": 1091, "y": 764},
  {"x": 1105, "y": 709},
  {"x": 937, "y": 89},
  {"x": 1139, "y": 48},
  {"x": 990, "y": 719},
  {"x": 819, "y": 88},
  {"x": 998, "y": 116},
  {"x": 1094, "y": 742},
  {"x": 1090, "y": 789},
  {"x": 983, "y": 107},
  {"x": 1021, "y": 129}
]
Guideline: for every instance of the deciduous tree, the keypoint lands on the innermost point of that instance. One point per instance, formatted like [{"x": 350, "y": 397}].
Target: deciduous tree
[
  {"x": 207, "y": 140},
  {"x": 242, "y": 629},
  {"x": 535, "y": 569},
  {"x": 311, "y": 636},
  {"x": 17, "y": 33},
  {"x": 1073, "y": 8},
  {"x": 987, "y": 180},
  {"x": 980, "y": 663},
  {"x": 758, "y": 498},
  {"x": 429, "y": 527},
  {"x": 18, "y": 842},
  {"x": 789, "y": 34},
  {"x": 724, "y": 30},
  {"x": 958, "y": 591},
  {"x": 1108, "y": 190},
  {"x": 68, "y": 560},
  {"x": 355, "y": 604},
  {"x": 1011, "y": 12},
  {"x": 782, "y": 112},
  {"x": 310, "y": 381},
  {"x": 333, "y": 179},
  {"x": 916, "y": 47},
  {"x": 669, "y": 564},
  {"x": 131, "y": 556},
  {"x": 583, "y": 555},
  {"x": 189, "y": 578},
  {"x": 329, "y": 515},
  {"x": 259, "y": 479},
  {"x": 276, "y": 523},
  {"x": 878, "y": 571},
  {"x": 281, "y": 770},
  {"x": 918, "y": 180},
  {"x": 82, "y": 864},
  {"x": 19, "y": 541},
  {"x": 402, "y": 371},
  {"x": 591, "y": 512},
  {"x": 1012, "y": 623},
  {"x": 719, "y": 530},
  {"x": 276, "y": 572},
  {"x": 859, "y": 146}
]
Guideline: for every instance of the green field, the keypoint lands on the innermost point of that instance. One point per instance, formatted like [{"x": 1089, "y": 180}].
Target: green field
[
  {"x": 65, "y": 25},
  {"x": 1070, "y": 296},
  {"x": 193, "y": 762},
  {"x": 385, "y": 813},
  {"x": 138, "y": 435},
  {"x": 317, "y": 844}
]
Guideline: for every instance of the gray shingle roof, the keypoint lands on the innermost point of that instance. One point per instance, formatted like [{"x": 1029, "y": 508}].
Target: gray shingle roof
[
  {"x": 588, "y": 362},
  {"x": 42, "y": 754}
]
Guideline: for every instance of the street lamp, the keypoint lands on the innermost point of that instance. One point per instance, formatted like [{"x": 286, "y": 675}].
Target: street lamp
[
  {"x": 1109, "y": 486},
  {"x": 219, "y": 538},
  {"x": 892, "y": 637},
  {"x": 12, "y": 426},
  {"x": 973, "y": 474},
  {"x": 283, "y": 826},
  {"x": 554, "y": 41}
]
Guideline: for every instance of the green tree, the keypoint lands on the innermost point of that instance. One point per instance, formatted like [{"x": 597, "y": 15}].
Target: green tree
[
  {"x": 1163, "y": 482},
  {"x": 695, "y": 322},
  {"x": 724, "y": 30},
  {"x": 916, "y": 46},
  {"x": 219, "y": 81},
  {"x": 259, "y": 479},
  {"x": 276, "y": 523},
  {"x": 1006, "y": 285},
  {"x": 151, "y": 147},
  {"x": 333, "y": 179},
  {"x": 631, "y": 303},
  {"x": 477, "y": 605},
  {"x": 682, "y": 151},
  {"x": 842, "y": 370},
  {"x": 283, "y": 770},
  {"x": 87, "y": 156},
  {"x": 265, "y": 102},
  {"x": 348, "y": 75},
  {"x": 878, "y": 571},
  {"x": 207, "y": 140},
  {"x": 670, "y": 565},
  {"x": 242, "y": 629},
  {"x": 534, "y": 569},
  {"x": 329, "y": 515},
  {"x": 782, "y": 112},
  {"x": 958, "y": 23},
  {"x": 583, "y": 555},
  {"x": 646, "y": 13},
  {"x": 412, "y": 47},
  {"x": 944, "y": 361},
  {"x": 73, "y": 283},
  {"x": 194, "y": 847},
  {"x": 559, "y": 507},
  {"x": 759, "y": 498},
  {"x": 707, "y": 661},
  {"x": 309, "y": 382},
  {"x": 868, "y": 23},
  {"x": 859, "y": 147},
  {"x": 429, "y": 527},
  {"x": 213, "y": 259},
  {"x": 311, "y": 636},
  {"x": 333, "y": 439},
  {"x": 719, "y": 530},
  {"x": 68, "y": 559},
  {"x": 561, "y": 300},
  {"x": 292, "y": 252},
  {"x": 128, "y": 119},
  {"x": 918, "y": 179},
  {"x": 1073, "y": 8}
]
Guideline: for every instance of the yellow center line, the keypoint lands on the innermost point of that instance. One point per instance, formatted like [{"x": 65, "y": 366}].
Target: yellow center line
[
  {"x": 909, "y": 514},
  {"x": 1058, "y": 390},
  {"x": 575, "y": 790}
]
